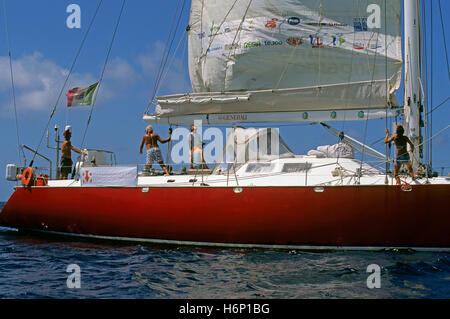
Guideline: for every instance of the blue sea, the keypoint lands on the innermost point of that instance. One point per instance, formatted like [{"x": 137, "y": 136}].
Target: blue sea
[{"x": 35, "y": 266}]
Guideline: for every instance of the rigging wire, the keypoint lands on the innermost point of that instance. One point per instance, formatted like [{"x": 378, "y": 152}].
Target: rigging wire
[
  {"x": 439, "y": 105},
  {"x": 218, "y": 28},
  {"x": 180, "y": 88},
  {"x": 424, "y": 64},
  {"x": 369, "y": 102},
  {"x": 233, "y": 42},
  {"x": 443, "y": 35},
  {"x": 161, "y": 78},
  {"x": 164, "y": 76},
  {"x": 431, "y": 85},
  {"x": 13, "y": 87},
  {"x": 166, "y": 52},
  {"x": 201, "y": 27},
  {"x": 350, "y": 73},
  {"x": 66, "y": 80},
  {"x": 387, "y": 147},
  {"x": 103, "y": 72}
]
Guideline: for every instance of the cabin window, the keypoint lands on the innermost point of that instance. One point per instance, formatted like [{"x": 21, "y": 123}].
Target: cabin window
[
  {"x": 259, "y": 168},
  {"x": 296, "y": 167}
]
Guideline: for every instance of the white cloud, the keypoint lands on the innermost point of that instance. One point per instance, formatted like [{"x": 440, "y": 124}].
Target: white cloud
[
  {"x": 120, "y": 70},
  {"x": 37, "y": 81}
]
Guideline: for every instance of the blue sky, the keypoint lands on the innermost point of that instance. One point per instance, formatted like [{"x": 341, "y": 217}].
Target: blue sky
[{"x": 43, "y": 48}]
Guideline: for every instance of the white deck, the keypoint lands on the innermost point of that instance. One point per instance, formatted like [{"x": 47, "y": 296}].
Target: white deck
[{"x": 298, "y": 171}]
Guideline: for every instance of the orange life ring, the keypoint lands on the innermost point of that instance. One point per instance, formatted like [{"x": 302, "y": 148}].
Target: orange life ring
[{"x": 27, "y": 177}]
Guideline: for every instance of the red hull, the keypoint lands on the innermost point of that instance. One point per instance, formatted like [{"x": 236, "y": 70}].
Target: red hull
[{"x": 362, "y": 216}]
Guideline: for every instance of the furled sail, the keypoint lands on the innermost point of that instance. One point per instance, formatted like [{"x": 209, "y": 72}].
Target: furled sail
[{"x": 290, "y": 55}]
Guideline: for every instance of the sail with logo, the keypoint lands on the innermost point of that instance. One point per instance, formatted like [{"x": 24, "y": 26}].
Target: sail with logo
[{"x": 280, "y": 60}]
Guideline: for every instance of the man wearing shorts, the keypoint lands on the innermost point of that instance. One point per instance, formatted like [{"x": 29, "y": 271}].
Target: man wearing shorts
[
  {"x": 153, "y": 152},
  {"x": 196, "y": 148},
  {"x": 66, "y": 155},
  {"x": 400, "y": 142}
]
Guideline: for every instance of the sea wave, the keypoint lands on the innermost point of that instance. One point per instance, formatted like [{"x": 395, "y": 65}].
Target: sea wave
[{"x": 36, "y": 267}]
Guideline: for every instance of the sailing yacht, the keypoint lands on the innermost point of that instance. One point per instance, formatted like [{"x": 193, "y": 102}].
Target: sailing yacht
[{"x": 268, "y": 61}]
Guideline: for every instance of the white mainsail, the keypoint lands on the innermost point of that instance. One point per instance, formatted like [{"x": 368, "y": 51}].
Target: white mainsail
[{"x": 256, "y": 56}]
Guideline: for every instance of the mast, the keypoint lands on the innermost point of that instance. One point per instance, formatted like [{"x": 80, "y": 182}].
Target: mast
[{"x": 413, "y": 97}]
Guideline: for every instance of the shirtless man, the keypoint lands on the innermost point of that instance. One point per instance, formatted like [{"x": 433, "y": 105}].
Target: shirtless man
[
  {"x": 153, "y": 152},
  {"x": 402, "y": 151},
  {"x": 66, "y": 155}
]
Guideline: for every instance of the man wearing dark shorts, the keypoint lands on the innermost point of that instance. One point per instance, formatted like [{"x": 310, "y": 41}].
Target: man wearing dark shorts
[
  {"x": 400, "y": 142},
  {"x": 66, "y": 155}
]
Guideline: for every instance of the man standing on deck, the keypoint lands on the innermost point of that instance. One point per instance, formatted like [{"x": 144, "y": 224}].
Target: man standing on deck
[
  {"x": 196, "y": 149},
  {"x": 400, "y": 142},
  {"x": 66, "y": 154},
  {"x": 153, "y": 152}
]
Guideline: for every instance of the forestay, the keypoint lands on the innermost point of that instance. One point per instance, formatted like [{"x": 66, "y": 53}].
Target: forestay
[{"x": 278, "y": 56}]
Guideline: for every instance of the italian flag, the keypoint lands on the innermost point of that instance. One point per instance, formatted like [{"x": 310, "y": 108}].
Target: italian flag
[{"x": 81, "y": 95}]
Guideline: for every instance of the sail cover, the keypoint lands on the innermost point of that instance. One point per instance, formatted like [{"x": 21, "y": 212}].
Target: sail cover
[
  {"x": 290, "y": 55},
  {"x": 251, "y": 145}
]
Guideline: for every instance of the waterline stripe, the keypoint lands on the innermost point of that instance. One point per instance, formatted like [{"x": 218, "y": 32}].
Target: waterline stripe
[{"x": 236, "y": 245}]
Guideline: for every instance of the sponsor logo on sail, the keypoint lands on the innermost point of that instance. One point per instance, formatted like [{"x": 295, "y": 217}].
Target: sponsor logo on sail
[
  {"x": 253, "y": 44},
  {"x": 272, "y": 24},
  {"x": 358, "y": 46},
  {"x": 294, "y": 41},
  {"x": 337, "y": 41},
  {"x": 374, "y": 46},
  {"x": 315, "y": 41},
  {"x": 233, "y": 46},
  {"x": 272, "y": 43},
  {"x": 214, "y": 49},
  {"x": 214, "y": 29},
  {"x": 326, "y": 24},
  {"x": 201, "y": 35},
  {"x": 337, "y": 24},
  {"x": 248, "y": 26},
  {"x": 293, "y": 20},
  {"x": 360, "y": 24}
]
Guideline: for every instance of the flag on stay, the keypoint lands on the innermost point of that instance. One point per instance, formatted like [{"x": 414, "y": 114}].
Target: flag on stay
[{"x": 81, "y": 95}]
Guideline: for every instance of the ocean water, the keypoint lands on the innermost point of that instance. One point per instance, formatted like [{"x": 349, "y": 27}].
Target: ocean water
[{"x": 33, "y": 266}]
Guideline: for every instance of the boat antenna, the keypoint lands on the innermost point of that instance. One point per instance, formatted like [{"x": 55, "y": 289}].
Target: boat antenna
[
  {"x": 103, "y": 72},
  {"x": 19, "y": 148},
  {"x": 66, "y": 80}
]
